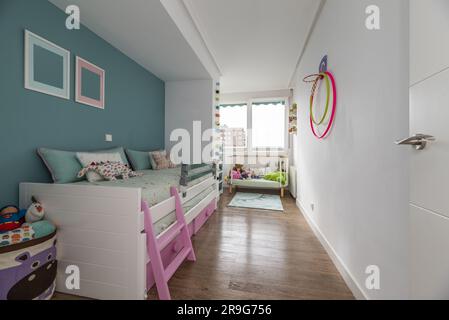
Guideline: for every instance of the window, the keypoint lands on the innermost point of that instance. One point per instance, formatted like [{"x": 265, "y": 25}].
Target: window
[
  {"x": 233, "y": 125},
  {"x": 254, "y": 125},
  {"x": 268, "y": 125}
]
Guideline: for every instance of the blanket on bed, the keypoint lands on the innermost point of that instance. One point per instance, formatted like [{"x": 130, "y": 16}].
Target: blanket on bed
[{"x": 155, "y": 184}]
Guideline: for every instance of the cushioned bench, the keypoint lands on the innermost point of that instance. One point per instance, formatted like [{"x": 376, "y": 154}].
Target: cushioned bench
[{"x": 256, "y": 184}]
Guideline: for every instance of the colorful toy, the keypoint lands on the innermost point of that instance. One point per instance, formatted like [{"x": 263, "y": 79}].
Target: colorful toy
[
  {"x": 11, "y": 218},
  {"x": 109, "y": 170},
  {"x": 235, "y": 175},
  {"x": 22, "y": 234},
  {"x": 35, "y": 212}
]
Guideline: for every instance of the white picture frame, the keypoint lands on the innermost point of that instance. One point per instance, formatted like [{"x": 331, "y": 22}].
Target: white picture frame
[{"x": 30, "y": 82}]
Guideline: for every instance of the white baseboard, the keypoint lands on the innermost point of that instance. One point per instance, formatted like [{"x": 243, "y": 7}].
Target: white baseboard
[{"x": 349, "y": 279}]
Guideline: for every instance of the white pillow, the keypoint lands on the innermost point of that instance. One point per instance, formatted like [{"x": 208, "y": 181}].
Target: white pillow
[{"x": 86, "y": 159}]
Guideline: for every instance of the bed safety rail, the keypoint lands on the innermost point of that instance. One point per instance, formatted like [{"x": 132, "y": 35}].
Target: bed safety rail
[{"x": 194, "y": 172}]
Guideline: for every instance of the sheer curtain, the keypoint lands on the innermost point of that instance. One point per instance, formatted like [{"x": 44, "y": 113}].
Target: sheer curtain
[
  {"x": 268, "y": 125},
  {"x": 234, "y": 125}
]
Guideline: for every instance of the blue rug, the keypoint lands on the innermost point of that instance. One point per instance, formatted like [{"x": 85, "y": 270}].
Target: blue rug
[{"x": 257, "y": 201}]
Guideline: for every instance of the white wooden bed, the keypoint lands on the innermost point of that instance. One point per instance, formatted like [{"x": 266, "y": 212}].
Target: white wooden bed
[{"x": 101, "y": 231}]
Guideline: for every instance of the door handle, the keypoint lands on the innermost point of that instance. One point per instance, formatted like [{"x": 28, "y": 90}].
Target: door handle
[{"x": 418, "y": 141}]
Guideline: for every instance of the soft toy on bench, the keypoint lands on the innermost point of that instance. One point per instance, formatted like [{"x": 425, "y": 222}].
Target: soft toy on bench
[
  {"x": 35, "y": 212},
  {"x": 110, "y": 170},
  {"x": 11, "y": 218}
]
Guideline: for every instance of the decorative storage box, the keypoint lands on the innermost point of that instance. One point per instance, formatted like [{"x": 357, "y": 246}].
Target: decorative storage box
[{"x": 28, "y": 269}]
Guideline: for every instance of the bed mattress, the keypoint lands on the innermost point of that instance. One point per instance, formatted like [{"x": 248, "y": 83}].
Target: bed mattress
[
  {"x": 256, "y": 183},
  {"x": 155, "y": 185}
]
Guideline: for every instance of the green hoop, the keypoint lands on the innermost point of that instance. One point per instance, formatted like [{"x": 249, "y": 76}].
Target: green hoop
[{"x": 312, "y": 96}]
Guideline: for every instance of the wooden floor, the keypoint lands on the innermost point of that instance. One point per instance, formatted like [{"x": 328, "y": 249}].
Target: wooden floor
[{"x": 257, "y": 254}]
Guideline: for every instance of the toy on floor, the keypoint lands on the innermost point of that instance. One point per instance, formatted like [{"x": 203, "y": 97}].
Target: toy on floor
[
  {"x": 35, "y": 212},
  {"x": 11, "y": 218},
  {"x": 110, "y": 170}
]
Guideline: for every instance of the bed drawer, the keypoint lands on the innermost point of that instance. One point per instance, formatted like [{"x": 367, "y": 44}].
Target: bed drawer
[{"x": 203, "y": 217}]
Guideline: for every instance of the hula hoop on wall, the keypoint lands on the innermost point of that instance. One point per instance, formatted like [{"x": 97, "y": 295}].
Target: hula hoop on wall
[
  {"x": 312, "y": 97},
  {"x": 328, "y": 76}
]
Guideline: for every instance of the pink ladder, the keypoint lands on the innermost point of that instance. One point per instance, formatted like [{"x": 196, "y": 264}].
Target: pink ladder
[{"x": 156, "y": 244}]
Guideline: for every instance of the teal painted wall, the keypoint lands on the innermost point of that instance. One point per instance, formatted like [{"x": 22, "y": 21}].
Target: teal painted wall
[{"x": 134, "y": 112}]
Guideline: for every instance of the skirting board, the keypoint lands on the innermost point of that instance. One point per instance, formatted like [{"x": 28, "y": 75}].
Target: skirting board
[{"x": 350, "y": 281}]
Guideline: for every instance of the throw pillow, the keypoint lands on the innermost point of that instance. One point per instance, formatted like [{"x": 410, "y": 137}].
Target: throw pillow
[{"x": 87, "y": 159}]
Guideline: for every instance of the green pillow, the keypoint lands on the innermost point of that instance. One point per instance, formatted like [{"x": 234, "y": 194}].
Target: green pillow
[
  {"x": 139, "y": 160},
  {"x": 64, "y": 165}
]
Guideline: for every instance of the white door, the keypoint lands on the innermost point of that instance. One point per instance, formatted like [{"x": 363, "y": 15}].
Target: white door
[{"x": 429, "y": 178}]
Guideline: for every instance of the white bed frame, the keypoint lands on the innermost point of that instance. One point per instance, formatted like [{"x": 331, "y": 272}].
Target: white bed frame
[{"x": 101, "y": 231}]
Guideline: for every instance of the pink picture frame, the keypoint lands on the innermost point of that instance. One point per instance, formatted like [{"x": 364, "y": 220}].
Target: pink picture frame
[{"x": 79, "y": 97}]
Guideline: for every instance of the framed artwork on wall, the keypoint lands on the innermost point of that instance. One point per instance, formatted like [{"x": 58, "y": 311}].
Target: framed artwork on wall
[
  {"x": 47, "y": 67},
  {"x": 90, "y": 84}
]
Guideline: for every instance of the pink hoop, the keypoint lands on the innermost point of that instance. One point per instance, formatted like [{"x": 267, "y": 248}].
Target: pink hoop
[{"x": 334, "y": 108}]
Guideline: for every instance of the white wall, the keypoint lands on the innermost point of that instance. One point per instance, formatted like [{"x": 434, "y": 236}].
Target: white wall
[
  {"x": 186, "y": 102},
  {"x": 357, "y": 178}
]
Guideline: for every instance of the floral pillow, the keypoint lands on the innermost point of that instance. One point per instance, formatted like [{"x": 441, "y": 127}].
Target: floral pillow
[
  {"x": 161, "y": 160},
  {"x": 109, "y": 170}
]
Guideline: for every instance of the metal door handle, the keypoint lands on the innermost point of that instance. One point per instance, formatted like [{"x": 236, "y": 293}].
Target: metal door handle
[{"x": 418, "y": 141}]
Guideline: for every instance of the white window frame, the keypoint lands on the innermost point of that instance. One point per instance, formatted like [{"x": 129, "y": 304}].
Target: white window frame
[{"x": 249, "y": 149}]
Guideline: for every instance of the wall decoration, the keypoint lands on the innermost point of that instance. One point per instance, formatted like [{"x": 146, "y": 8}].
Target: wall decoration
[
  {"x": 293, "y": 119},
  {"x": 321, "y": 126},
  {"x": 217, "y": 105},
  {"x": 90, "y": 84},
  {"x": 47, "y": 67},
  {"x": 323, "y": 64}
]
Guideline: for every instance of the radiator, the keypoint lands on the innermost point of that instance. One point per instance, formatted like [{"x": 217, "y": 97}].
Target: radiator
[{"x": 292, "y": 181}]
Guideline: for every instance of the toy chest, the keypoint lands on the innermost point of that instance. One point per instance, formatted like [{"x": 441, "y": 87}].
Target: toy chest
[{"x": 28, "y": 269}]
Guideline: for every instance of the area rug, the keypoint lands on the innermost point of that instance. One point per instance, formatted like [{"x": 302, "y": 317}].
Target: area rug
[{"x": 257, "y": 201}]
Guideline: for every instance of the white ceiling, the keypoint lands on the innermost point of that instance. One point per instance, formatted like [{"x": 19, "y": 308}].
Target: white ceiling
[
  {"x": 143, "y": 30},
  {"x": 255, "y": 43}
]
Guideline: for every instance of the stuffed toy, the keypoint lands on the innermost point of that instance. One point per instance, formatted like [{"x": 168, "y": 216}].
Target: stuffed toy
[
  {"x": 110, "y": 170},
  {"x": 235, "y": 175},
  {"x": 22, "y": 234},
  {"x": 35, "y": 212},
  {"x": 11, "y": 218},
  {"x": 238, "y": 172}
]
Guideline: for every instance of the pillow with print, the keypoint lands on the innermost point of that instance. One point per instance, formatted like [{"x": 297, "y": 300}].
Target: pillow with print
[
  {"x": 161, "y": 160},
  {"x": 86, "y": 159},
  {"x": 152, "y": 161}
]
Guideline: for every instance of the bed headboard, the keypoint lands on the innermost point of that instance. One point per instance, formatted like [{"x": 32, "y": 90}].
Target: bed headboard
[{"x": 191, "y": 172}]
